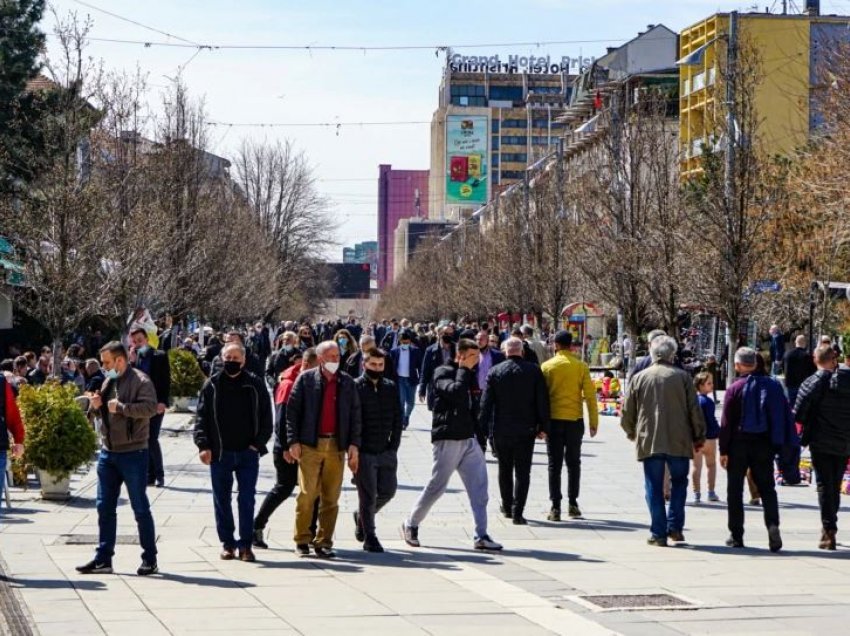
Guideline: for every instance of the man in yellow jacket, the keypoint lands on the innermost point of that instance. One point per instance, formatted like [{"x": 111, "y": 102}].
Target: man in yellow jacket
[{"x": 570, "y": 387}]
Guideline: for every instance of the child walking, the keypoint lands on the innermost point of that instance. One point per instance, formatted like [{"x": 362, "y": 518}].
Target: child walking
[{"x": 704, "y": 383}]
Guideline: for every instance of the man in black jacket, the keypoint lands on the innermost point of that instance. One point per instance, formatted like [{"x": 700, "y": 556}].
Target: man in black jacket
[
  {"x": 155, "y": 365},
  {"x": 323, "y": 421},
  {"x": 515, "y": 409},
  {"x": 798, "y": 366},
  {"x": 252, "y": 362},
  {"x": 381, "y": 436},
  {"x": 233, "y": 426},
  {"x": 455, "y": 447},
  {"x": 823, "y": 407},
  {"x": 440, "y": 353}
]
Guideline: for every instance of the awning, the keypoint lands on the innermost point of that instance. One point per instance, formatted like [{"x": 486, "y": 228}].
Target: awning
[{"x": 589, "y": 126}]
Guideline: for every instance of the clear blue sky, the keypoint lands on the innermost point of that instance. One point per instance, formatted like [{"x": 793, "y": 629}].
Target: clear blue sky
[{"x": 297, "y": 86}]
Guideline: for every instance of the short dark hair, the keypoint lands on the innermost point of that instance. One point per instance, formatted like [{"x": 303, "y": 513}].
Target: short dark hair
[
  {"x": 7, "y": 365},
  {"x": 374, "y": 354},
  {"x": 140, "y": 330},
  {"x": 115, "y": 348},
  {"x": 465, "y": 344}
]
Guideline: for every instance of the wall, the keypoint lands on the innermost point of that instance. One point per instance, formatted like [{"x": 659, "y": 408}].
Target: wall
[{"x": 396, "y": 200}]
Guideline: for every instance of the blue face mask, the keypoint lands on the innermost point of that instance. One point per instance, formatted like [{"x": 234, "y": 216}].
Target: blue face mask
[
  {"x": 112, "y": 374},
  {"x": 343, "y": 343},
  {"x": 143, "y": 350},
  {"x": 405, "y": 347}
]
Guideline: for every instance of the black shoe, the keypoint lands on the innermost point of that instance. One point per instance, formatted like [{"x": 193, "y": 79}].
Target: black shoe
[
  {"x": 358, "y": 529},
  {"x": 95, "y": 567},
  {"x": 146, "y": 569},
  {"x": 554, "y": 514},
  {"x": 506, "y": 511},
  {"x": 660, "y": 542},
  {"x": 676, "y": 537},
  {"x": 519, "y": 520},
  {"x": 774, "y": 540},
  {"x": 257, "y": 541},
  {"x": 574, "y": 511},
  {"x": 734, "y": 542},
  {"x": 371, "y": 544},
  {"x": 160, "y": 483},
  {"x": 324, "y": 553},
  {"x": 302, "y": 550}
]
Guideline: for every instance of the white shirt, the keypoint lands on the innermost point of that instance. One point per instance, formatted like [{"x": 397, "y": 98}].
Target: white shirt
[{"x": 403, "y": 363}]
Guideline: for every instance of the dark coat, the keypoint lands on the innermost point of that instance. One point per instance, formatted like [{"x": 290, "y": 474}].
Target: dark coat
[
  {"x": 207, "y": 433},
  {"x": 798, "y": 366},
  {"x": 823, "y": 407},
  {"x": 453, "y": 414},
  {"x": 354, "y": 366},
  {"x": 432, "y": 358},
  {"x": 516, "y": 401},
  {"x": 415, "y": 362},
  {"x": 304, "y": 410},
  {"x": 252, "y": 364},
  {"x": 159, "y": 371},
  {"x": 381, "y": 415}
]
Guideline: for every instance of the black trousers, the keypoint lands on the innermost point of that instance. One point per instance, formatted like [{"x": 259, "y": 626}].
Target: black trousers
[
  {"x": 757, "y": 455},
  {"x": 564, "y": 444},
  {"x": 829, "y": 472},
  {"x": 515, "y": 457},
  {"x": 285, "y": 481},
  {"x": 377, "y": 483},
  {"x": 155, "y": 466}
]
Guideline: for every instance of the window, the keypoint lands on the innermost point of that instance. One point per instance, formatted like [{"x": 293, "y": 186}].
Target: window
[
  {"x": 513, "y": 174},
  {"x": 512, "y": 93},
  {"x": 514, "y": 140},
  {"x": 464, "y": 100},
  {"x": 514, "y": 123},
  {"x": 469, "y": 90},
  {"x": 494, "y": 160},
  {"x": 494, "y": 142},
  {"x": 517, "y": 157},
  {"x": 494, "y": 125}
]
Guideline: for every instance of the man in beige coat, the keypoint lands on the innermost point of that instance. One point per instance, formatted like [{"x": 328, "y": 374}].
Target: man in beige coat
[{"x": 663, "y": 417}]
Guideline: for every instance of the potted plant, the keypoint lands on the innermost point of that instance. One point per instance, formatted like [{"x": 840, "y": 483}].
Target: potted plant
[
  {"x": 186, "y": 378},
  {"x": 60, "y": 438}
]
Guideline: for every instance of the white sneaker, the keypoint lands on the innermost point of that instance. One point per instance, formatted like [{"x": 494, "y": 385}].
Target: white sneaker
[{"x": 486, "y": 543}]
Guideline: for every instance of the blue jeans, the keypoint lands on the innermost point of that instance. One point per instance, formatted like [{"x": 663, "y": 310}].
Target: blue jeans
[
  {"x": 407, "y": 396},
  {"x": 246, "y": 466},
  {"x": 130, "y": 469},
  {"x": 672, "y": 520}
]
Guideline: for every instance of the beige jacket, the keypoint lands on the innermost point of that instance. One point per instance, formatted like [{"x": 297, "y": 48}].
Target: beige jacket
[
  {"x": 127, "y": 430},
  {"x": 661, "y": 413}
]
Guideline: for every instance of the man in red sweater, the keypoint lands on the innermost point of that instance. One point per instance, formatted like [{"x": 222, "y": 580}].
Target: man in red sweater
[{"x": 10, "y": 422}]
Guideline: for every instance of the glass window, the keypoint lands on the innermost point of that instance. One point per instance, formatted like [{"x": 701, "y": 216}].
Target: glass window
[
  {"x": 513, "y": 93},
  {"x": 494, "y": 142}
]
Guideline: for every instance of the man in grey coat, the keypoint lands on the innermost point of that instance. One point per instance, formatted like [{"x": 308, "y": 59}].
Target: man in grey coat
[{"x": 663, "y": 417}]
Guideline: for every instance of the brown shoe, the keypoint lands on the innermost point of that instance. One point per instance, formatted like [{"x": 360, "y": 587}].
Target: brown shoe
[
  {"x": 827, "y": 540},
  {"x": 228, "y": 554},
  {"x": 247, "y": 555}
]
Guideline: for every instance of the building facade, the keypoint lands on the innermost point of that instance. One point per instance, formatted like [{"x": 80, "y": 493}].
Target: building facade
[
  {"x": 365, "y": 252},
  {"x": 409, "y": 235},
  {"x": 792, "y": 52},
  {"x": 402, "y": 194}
]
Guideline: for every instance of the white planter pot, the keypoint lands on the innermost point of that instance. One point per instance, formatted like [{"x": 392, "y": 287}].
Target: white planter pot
[
  {"x": 52, "y": 488},
  {"x": 181, "y": 404}
]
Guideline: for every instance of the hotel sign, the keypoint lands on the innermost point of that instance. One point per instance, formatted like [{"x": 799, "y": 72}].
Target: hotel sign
[{"x": 517, "y": 64}]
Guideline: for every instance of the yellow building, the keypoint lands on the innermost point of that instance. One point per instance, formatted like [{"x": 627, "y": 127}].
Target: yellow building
[{"x": 790, "y": 52}]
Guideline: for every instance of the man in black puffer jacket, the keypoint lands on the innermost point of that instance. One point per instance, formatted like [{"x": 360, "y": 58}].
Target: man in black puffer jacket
[
  {"x": 380, "y": 438},
  {"x": 515, "y": 410},
  {"x": 823, "y": 407}
]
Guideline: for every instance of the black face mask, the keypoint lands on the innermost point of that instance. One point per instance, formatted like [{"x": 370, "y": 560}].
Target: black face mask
[
  {"x": 232, "y": 367},
  {"x": 374, "y": 375},
  {"x": 447, "y": 339}
]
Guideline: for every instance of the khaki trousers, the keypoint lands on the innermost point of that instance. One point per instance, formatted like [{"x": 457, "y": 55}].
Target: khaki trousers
[{"x": 320, "y": 473}]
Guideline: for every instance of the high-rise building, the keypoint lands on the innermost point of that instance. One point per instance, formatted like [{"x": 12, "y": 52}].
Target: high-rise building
[
  {"x": 494, "y": 119},
  {"x": 792, "y": 53},
  {"x": 408, "y": 236},
  {"x": 402, "y": 194},
  {"x": 348, "y": 255}
]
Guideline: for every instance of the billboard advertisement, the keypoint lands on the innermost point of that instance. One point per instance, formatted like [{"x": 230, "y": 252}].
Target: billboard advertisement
[{"x": 467, "y": 159}]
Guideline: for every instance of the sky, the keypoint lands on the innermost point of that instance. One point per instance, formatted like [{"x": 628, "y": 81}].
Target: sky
[{"x": 330, "y": 87}]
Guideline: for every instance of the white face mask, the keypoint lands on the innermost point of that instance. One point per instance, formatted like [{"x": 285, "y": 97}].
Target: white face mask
[{"x": 331, "y": 367}]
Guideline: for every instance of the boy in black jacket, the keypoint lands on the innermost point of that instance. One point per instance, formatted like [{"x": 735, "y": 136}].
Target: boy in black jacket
[{"x": 380, "y": 438}]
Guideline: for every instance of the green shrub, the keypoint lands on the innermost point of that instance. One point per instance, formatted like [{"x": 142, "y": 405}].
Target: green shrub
[
  {"x": 186, "y": 375},
  {"x": 59, "y": 437}
]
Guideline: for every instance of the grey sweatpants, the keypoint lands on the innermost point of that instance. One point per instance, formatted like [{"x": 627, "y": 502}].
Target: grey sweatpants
[{"x": 467, "y": 458}]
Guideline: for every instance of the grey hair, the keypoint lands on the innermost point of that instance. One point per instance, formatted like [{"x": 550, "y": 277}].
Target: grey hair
[
  {"x": 326, "y": 346},
  {"x": 655, "y": 333},
  {"x": 366, "y": 339},
  {"x": 663, "y": 349},
  {"x": 513, "y": 345},
  {"x": 746, "y": 356}
]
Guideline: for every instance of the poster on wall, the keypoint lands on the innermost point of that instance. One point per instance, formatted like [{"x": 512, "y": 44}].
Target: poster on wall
[{"x": 467, "y": 159}]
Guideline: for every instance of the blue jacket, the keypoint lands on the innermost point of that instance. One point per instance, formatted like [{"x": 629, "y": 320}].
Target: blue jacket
[
  {"x": 712, "y": 427},
  {"x": 432, "y": 359},
  {"x": 415, "y": 362},
  {"x": 777, "y": 347}
]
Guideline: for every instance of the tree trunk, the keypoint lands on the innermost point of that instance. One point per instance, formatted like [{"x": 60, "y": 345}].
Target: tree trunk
[{"x": 57, "y": 357}]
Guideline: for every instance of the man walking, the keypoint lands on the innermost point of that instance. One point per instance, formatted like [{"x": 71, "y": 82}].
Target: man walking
[
  {"x": 823, "y": 407},
  {"x": 488, "y": 358},
  {"x": 233, "y": 426},
  {"x": 756, "y": 420},
  {"x": 407, "y": 361},
  {"x": 798, "y": 366},
  {"x": 323, "y": 421},
  {"x": 380, "y": 438},
  {"x": 777, "y": 349},
  {"x": 154, "y": 364},
  {"x": 570, "y": 386},
  {"x": 662, "y": 416},
  {"x": 515, "y": 408},
  {"x": 440, "y": 353},
  {"x": 126, "y": 401},
  {"x": 454, "y": 447}
]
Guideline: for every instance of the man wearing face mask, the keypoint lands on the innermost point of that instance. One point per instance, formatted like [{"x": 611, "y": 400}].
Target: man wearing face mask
[
  {"x": 154, "y": 364},
  {"x": 234, "y": 424},
  {"x": 407, "y": 360},
  {"x": 126, "y": 403},
  {"x": 488, "y": 359},
  {"x": 440, "y": 353},
  {"x": 323, "y": 421},
  {"x": 381, "y": 436}
]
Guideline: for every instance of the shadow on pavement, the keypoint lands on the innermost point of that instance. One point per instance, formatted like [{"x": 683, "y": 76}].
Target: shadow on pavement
[
  {"x": 590, "y": 524},
  {"x": 202, "y": 581},
  {"x": 54, "y": 584},
  {"x": 401, "y": 558},
  {"x": 490, "y": 558},
  {"x": 422, "y": 486},
  {"x": 759, "y": 549},
  {"x": 311, "y": 563}
]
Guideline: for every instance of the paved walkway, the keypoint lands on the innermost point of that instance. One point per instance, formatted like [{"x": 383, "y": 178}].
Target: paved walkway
[{"x": 444, "y": 588}]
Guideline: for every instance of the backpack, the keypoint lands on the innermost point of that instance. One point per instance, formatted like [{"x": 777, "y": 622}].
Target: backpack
[{"x": 754, "y": 416}]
